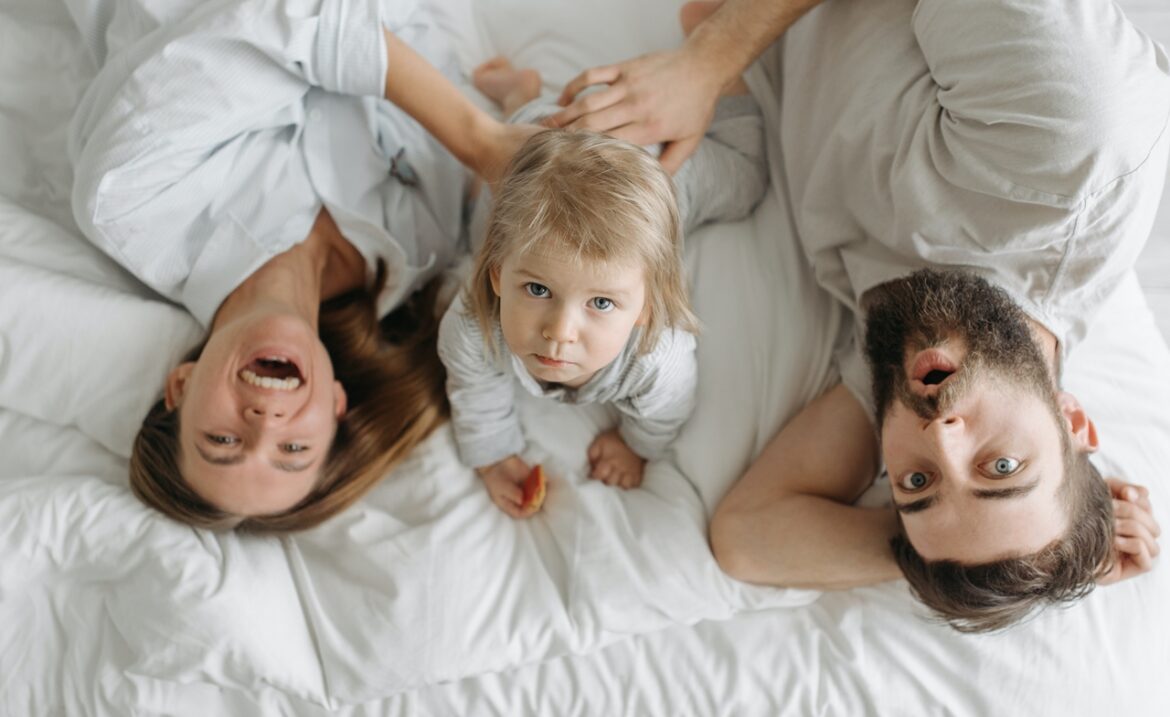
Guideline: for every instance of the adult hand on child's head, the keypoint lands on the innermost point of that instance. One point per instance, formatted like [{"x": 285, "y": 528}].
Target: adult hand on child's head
[
  {"x": 666, "y": 96},
  {"x": 613, "y": 463},
  {"x": 1136, "y": 542},
  {"x": 504, "y": 480}
]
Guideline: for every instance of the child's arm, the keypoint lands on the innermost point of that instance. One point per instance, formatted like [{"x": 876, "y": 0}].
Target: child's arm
[
  {"x": 726, "y": 176},
  {"x": 483, "y": 415},
  {"x": 504, "y": 482},
  {"x": 663, "y": 397}
]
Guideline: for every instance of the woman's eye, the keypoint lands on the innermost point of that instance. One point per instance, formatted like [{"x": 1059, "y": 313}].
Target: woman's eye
[
  {"x": 538, "y": 290},
  {"x": 601, "y": 303},
  {"x": 294, "y": 447},
  {"x": 221, "y": 440},
  {"x": 1002, "y": 466},
  {"x": 914, "y": 481}
]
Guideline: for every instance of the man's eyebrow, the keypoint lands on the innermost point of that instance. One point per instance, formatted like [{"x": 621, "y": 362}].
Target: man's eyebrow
[
  {"x": 226, "y": 461},
  {"x": 1005, "y": 493},
  {"x": 916, "y": 506}
]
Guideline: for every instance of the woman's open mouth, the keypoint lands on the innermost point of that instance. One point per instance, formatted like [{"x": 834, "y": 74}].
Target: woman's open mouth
[{"x": 273, "y": 372}]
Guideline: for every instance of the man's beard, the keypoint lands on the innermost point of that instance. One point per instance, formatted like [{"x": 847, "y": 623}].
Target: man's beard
[{"x": 928, "y": 307}]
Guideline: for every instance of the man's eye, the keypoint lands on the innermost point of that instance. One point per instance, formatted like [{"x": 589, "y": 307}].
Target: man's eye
[
  {"x": 914, "y": 481},
  {"x": 294, "y": 447},
  {"x": 1002, "y": 466},
  {"x": 601, "y": 303},
  {"x": 538, "y": 290},
  {"x": 222, "y": 440}
]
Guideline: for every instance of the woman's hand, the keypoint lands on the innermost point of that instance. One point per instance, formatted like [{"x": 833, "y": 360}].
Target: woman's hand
[
  {"x": 666, "y": 96},
  {"x": 504, "y": 480},
  {"x": 1135, "y": 544}
]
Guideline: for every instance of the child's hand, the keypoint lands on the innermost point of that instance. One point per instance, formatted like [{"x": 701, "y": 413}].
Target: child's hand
[
  {"x": 503, "y": 481},
  {"x": 1136, "y": 542},
  {"x": 613, "y": 463}
]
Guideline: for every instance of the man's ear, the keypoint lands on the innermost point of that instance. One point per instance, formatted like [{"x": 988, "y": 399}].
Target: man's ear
[
  {"x": 1080, "y": 426},
  {"x": 177, "y": 384}
]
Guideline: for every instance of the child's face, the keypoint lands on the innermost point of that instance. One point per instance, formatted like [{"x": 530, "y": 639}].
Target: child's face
[{"x": 565, "y": 319}]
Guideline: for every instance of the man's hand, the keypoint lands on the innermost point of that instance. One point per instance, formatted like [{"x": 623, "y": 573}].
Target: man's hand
[
  {"x": 613, "y": 463},
  {"x": 664, "y": 96},
  {"x": 503, "y": 481},
  {"x": 1136, "y": 542}
]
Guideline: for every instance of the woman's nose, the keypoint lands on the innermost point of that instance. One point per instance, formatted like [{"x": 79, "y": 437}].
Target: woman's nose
[{"x": 260, "y": 414}]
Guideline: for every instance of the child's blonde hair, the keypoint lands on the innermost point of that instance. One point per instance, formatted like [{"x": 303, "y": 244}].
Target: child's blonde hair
[{"x": 598, "y": 199}]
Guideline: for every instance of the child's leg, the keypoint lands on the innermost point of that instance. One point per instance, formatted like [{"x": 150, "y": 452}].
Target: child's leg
[
  {"x": 693, "y": 13},
  {"x": 505, "y": 85}
]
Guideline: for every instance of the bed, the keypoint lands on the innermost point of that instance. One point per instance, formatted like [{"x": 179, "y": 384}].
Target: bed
[{"x": 426, "y": 600}]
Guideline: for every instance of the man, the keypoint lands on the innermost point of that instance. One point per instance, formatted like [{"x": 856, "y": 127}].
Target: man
[{"x": 965, "y": 136}]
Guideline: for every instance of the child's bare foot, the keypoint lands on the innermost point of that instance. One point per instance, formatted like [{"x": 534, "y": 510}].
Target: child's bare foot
[
  {"x": 505, "y": 85},
  {"x": 693, "y": 13}
]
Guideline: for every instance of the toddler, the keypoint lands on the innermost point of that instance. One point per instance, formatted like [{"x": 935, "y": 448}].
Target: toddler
[{"x": 578, "y": 292}]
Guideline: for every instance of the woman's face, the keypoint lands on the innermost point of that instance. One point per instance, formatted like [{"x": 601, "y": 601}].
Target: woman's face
[{"x": 257, "y": 413}]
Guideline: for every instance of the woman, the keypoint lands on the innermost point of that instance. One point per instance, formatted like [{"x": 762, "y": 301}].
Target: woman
[{"x": 257, "y": 161}]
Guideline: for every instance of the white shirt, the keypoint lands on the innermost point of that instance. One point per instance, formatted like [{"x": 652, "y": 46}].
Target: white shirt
[
  {"x": 1024, "y": 142},
  {"x": 654, "y": 391},
  {"x": 204, "y": 148}
]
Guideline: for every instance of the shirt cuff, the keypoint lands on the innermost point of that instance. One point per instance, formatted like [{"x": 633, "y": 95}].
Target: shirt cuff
[
  {"x": 484, "y": 450},
  {"x": 351, "y": 49}
]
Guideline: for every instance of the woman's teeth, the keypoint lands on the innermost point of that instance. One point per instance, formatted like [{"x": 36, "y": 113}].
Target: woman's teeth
[{"x": 280, "y": 384}]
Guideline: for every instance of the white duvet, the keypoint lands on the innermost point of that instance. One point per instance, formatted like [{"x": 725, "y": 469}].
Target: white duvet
[{"x": 425, "y": 599}]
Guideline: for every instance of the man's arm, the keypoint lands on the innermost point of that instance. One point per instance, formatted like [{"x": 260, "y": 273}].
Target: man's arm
[
  {"x": 789, "y": 521},
  {"x": 670, "y": 96}
]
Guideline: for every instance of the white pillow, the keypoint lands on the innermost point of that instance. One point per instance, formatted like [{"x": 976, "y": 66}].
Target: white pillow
[{"x": 74, "y": 353}]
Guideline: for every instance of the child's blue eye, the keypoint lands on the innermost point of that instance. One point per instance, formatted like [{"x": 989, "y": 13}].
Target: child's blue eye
[
  {"x": 601, "y": 303},
  {"x": 538, "y": 290}
]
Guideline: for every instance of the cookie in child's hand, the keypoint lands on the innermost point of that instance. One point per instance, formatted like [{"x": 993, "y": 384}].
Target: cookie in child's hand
[{"x": 534, "y": 486}]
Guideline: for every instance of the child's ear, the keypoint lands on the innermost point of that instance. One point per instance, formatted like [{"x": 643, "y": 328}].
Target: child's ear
[
  {"x": 494, "y": 275},
  {"x": 644, "y": 317}
]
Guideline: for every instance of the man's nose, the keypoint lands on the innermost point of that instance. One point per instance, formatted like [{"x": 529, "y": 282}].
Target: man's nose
[
  {"x": 946, "y": 428},
  {"x": 947, "y": 435}
]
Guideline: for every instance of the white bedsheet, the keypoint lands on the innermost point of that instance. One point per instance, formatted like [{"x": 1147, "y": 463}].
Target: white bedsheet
[{"x": 425, "y": 599}]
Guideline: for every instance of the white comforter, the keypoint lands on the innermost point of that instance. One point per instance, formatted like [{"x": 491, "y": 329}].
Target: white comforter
[{"x": 425, "y": 598}]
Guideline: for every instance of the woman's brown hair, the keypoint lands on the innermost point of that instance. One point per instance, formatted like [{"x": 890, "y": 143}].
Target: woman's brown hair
[{"x": 395, "y": 385}]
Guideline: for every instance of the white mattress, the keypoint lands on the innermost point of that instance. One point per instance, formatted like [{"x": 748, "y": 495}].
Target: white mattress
[{"x": 425, "y": 599}]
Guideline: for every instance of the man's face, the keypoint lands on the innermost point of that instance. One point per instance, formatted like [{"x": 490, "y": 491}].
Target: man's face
[{"x": 970, "y": 426}]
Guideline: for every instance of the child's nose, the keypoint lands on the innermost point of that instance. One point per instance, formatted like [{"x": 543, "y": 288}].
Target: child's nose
[{"x": 561, "y": 328}]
